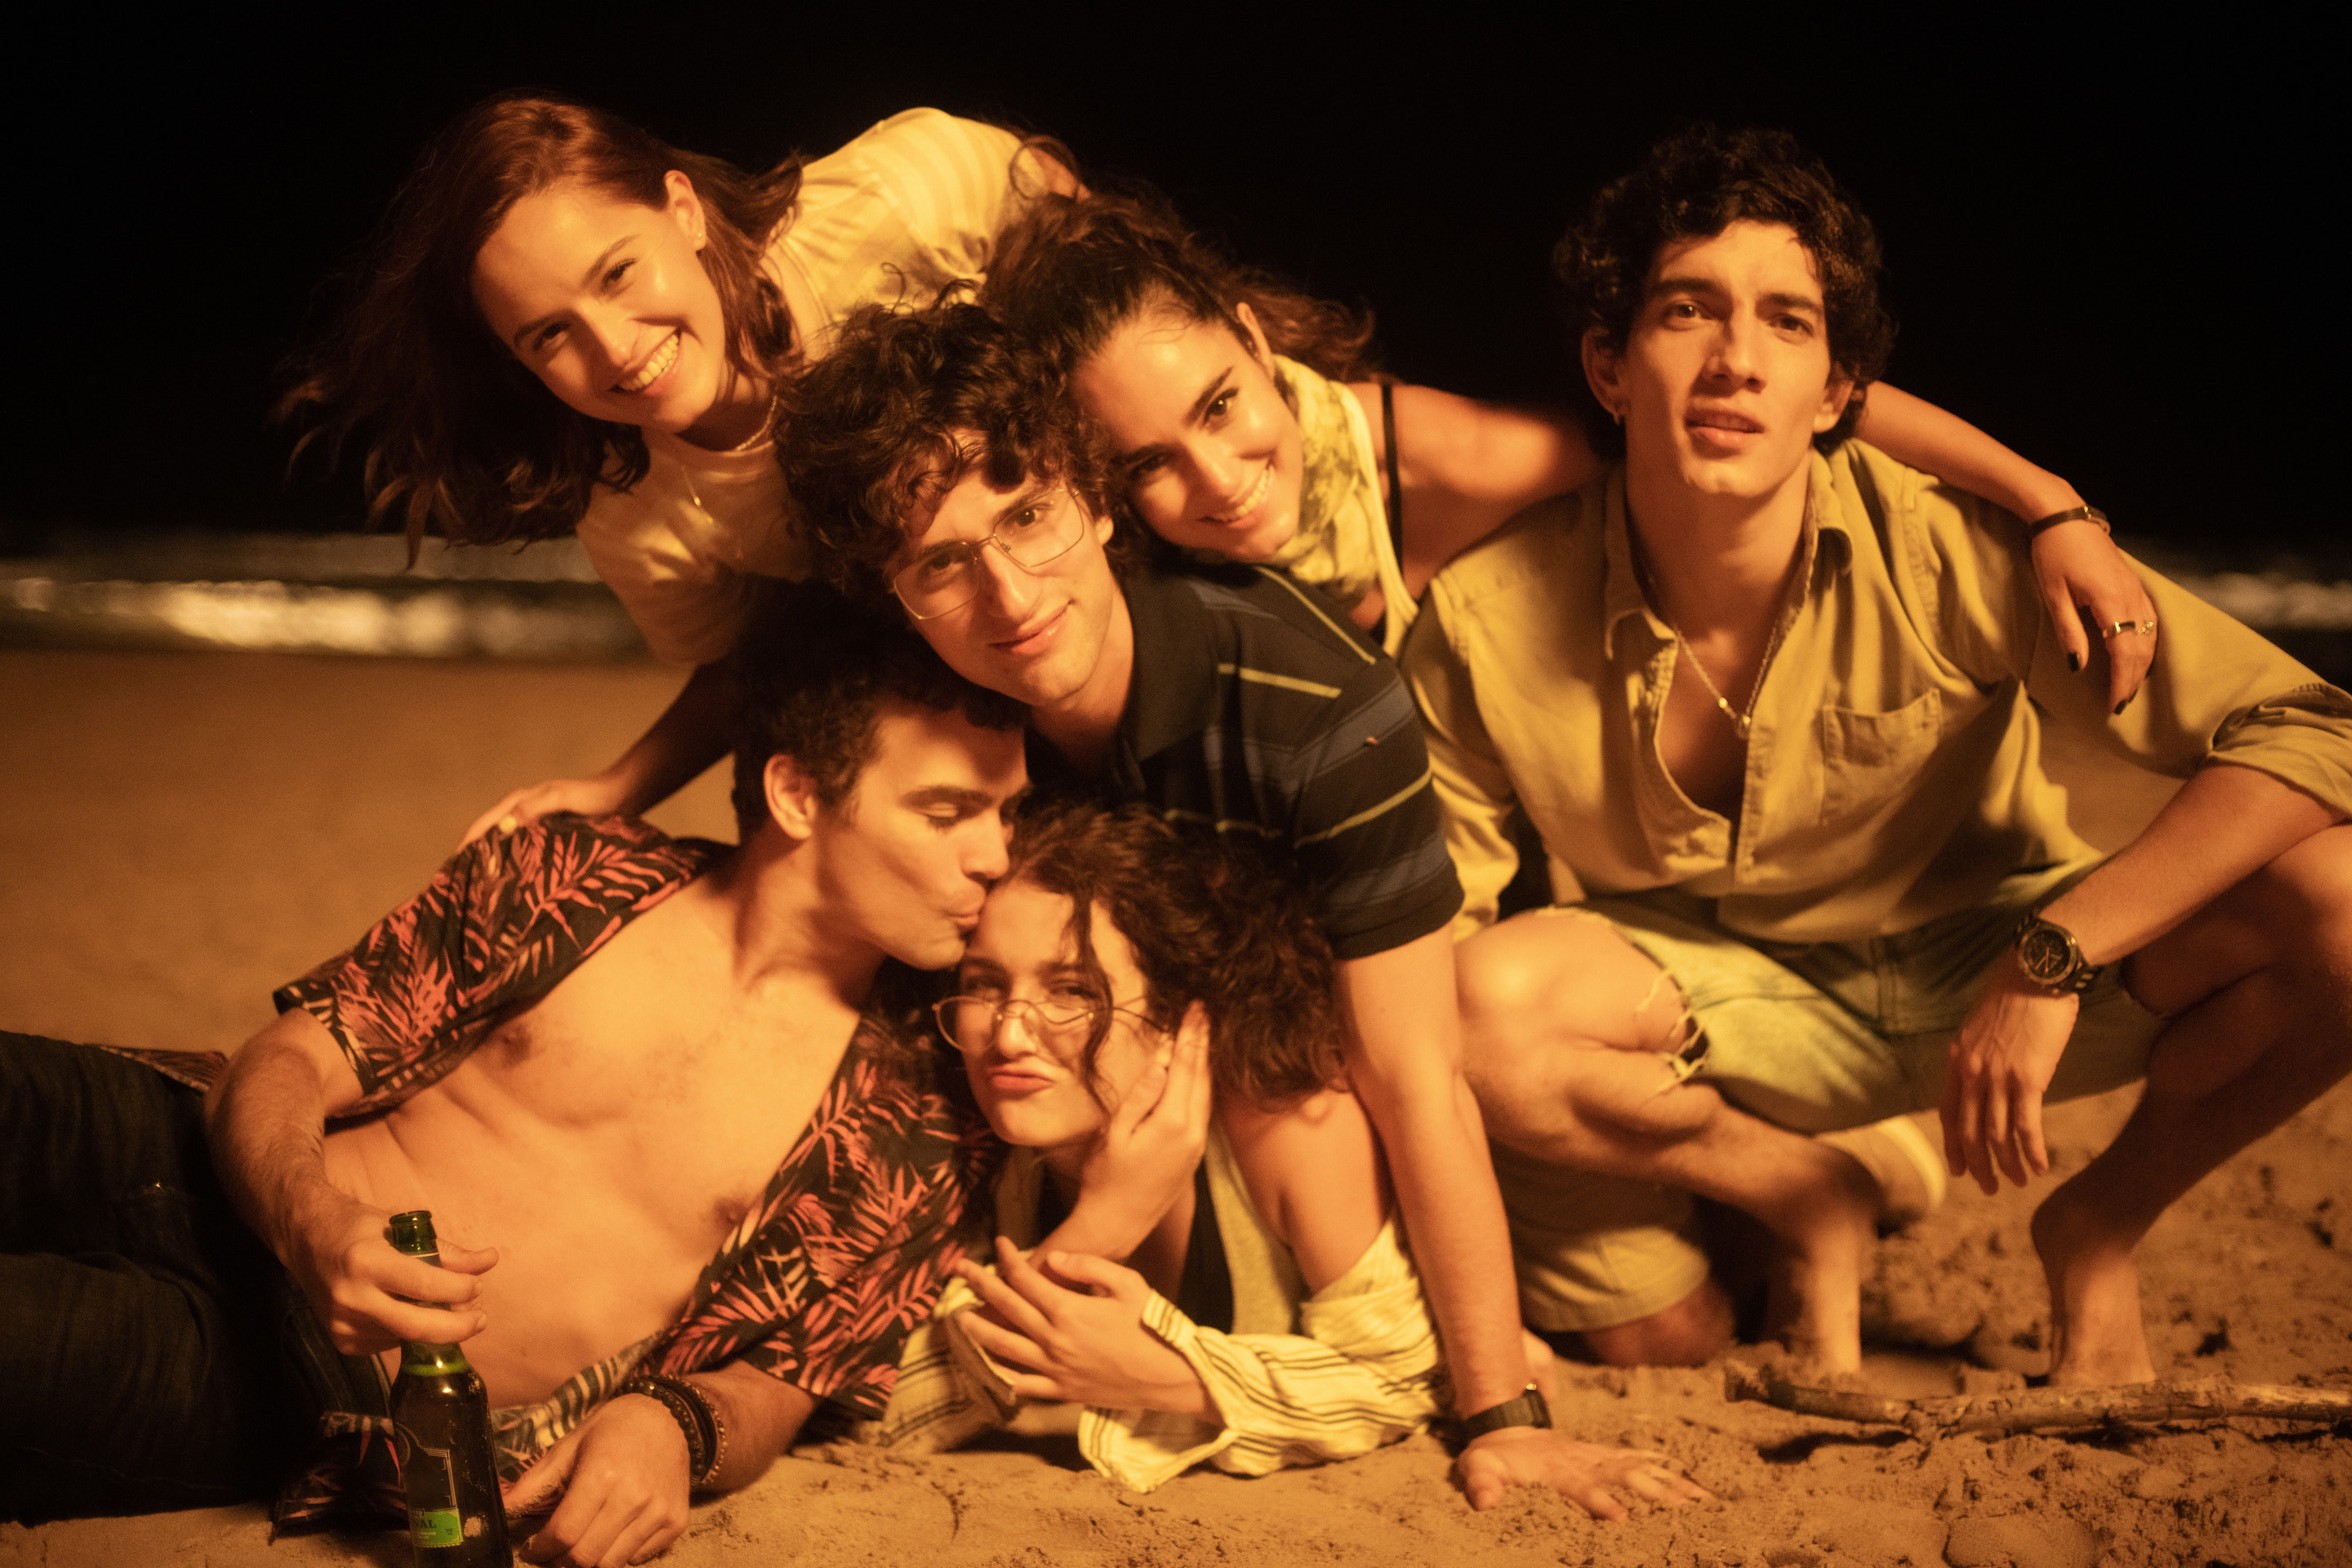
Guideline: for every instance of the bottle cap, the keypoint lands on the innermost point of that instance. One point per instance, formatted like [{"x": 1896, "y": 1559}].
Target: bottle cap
[{"x": 413, "y": 1232}]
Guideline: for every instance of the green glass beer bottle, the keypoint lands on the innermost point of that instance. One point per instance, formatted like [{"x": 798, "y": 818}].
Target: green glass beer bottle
[{"x": 455, "y": 1516}]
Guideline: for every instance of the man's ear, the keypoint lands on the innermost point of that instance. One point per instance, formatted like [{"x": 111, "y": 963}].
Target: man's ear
[
  {"x": 1256, "y": 341},
  {"x": 792, "y": 798},
  {"x": 1834, "y": 398},
  {"x": 1603, "y": 372}
]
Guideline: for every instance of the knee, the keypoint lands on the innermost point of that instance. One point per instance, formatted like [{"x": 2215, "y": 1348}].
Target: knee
[
  {"x": 1691, "y": 1332},
  {"x": 2310, "y": 886},
  {"x": 1504, "y": 981}
]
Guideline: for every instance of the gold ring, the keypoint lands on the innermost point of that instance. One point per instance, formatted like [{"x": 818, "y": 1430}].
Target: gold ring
[{"x": 2144, "y": 628}]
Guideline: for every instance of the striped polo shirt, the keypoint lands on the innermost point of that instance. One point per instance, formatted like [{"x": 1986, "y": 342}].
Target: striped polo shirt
[{"x": 1256, "y": 708}]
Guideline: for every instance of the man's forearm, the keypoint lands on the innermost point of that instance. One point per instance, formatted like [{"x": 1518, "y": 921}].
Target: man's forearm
[
  {"x": 762, "y": 1415},
  {"x": 2226, "y": 823},
  {"x": 1454, "y": 1212},
  {"x": 265, "y": 1121},
  {"x": 1405, "y": 1064}
]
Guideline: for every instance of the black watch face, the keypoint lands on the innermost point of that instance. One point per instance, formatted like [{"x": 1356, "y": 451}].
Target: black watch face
[{"x": 2044, "y": 955}]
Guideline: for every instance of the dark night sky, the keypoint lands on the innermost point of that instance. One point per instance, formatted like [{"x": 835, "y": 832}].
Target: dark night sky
[{"x": 2105, "y": 249}]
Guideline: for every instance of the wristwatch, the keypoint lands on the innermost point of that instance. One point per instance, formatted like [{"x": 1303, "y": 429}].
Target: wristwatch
[
  {"x": 2051, "y": 958},
  {"x": 1525, "y": 1409}
]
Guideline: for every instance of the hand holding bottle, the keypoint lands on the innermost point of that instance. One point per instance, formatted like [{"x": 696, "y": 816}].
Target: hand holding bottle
[{"x": 369, "y": 1294}]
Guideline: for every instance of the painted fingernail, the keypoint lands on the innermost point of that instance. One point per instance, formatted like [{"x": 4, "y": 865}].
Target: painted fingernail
[
  {"x": 2125, "y": 703},
  {"x": 2074, "y": 662}
]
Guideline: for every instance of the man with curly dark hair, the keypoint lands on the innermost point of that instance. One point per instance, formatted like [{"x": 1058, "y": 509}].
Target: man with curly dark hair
[
  {"x": 939, "y": 463},
  {"x": 1773, "y": 704}
]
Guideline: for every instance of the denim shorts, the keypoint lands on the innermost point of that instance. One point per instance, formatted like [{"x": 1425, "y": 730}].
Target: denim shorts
[{"x": 1812, "y": 1037}]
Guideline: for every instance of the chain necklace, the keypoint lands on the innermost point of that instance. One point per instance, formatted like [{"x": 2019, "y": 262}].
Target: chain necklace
[
  {"x": 766, "y": 423},
  {"x": 1740, "y": 721}
]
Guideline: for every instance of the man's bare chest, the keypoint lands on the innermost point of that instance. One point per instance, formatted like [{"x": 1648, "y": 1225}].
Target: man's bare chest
[{"x": 645, "y": 1070}]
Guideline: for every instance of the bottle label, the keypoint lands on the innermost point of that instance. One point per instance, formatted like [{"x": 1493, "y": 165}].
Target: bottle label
[
  {"x": 432, "y": 1527},
  {"x": 431, "y": 1483}
]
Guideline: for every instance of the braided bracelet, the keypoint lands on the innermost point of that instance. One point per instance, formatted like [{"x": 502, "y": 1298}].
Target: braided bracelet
[
  {"x": 2072, "y": 514},
  {"x": 696, "y": 1417}
]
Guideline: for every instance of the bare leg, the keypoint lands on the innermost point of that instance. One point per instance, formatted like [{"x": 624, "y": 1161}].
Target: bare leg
[
  {"x": 2265, "y": 975},
  {"x": 1564, "y": 1025},
  {"x": 1691, "y": 1332}
]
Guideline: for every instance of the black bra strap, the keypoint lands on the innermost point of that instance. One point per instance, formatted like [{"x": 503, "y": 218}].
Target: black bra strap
[{"x": 1396, "y": 486}]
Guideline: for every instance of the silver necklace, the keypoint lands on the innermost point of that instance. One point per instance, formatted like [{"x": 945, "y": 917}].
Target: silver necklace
[{"x": 745, "y": 444}]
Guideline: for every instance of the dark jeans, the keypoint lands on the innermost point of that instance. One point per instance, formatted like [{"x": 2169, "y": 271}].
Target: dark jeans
[{"x": 153, "y": 1353}]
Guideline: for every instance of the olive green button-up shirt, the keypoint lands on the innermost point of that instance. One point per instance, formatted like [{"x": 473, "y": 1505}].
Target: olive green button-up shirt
[{"x": 1894, "y": 771}]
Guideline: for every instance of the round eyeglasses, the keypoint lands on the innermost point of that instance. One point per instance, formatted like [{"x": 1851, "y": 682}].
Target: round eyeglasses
[
  {"x": 970, "y": 1023},
  {"x": 950, "y": 574}
]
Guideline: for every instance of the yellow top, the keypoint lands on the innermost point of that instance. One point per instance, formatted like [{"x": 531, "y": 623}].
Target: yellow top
[
  {"x": 1342, "y": 545},
  {"x": 1894, "y": 771},
  {"x": 908, "y": 209}
]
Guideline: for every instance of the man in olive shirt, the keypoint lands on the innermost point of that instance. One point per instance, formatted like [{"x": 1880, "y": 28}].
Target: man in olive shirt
[{"x": 1773, "y": 703}]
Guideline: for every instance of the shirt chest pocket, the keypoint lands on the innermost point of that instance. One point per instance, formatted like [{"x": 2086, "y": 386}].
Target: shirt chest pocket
[{"x": 1869, "y": 760}]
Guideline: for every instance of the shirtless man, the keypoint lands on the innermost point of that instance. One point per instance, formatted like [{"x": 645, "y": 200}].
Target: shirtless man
[
  {"x": 936, "y": 471},
  {"x": 1774, "y": 704},
  {"x": 636, "y": 1164}
]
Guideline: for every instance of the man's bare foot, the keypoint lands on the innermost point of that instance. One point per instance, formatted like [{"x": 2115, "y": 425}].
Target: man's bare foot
[{"x": 2095, "y": 1337}]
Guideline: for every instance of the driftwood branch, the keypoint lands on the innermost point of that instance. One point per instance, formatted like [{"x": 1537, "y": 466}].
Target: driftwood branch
[{"x": 2026, "y": 1409}]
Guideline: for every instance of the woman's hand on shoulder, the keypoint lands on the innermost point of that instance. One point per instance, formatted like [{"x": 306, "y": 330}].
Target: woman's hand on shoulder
[
  {"x": 598, "y": 796},
  {"x": 2076, "y": 564}
]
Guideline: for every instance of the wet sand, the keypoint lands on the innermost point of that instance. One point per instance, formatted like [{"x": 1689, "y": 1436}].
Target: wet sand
[{"x": 181, "y": 832}]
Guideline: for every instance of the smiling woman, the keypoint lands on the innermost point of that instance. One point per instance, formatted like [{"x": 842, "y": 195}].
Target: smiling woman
[
  {"x": 606, "y": 300},
  {"x": 565, "y": 323}
]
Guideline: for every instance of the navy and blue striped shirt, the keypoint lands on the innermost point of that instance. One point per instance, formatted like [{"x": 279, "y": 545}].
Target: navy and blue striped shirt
[{"x": 1256, "y": 708}]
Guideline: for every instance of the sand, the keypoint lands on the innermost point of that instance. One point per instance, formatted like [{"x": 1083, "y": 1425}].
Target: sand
[{"x": 183, "y": 831}]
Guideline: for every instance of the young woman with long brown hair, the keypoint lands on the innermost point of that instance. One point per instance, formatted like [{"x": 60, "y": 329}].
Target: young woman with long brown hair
[{"x": 564, "y": 324}]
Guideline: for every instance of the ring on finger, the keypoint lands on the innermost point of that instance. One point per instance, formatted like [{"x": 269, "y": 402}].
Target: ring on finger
[{"x": 2146, "y": 629}]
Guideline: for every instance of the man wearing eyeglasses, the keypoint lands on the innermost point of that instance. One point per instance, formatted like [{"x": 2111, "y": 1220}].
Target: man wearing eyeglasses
[{"x": 933, "y": 465}]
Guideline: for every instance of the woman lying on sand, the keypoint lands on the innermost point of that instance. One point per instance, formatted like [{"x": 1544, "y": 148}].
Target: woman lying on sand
[
  {"x": 566, "y": 323},
  {"x": 1132, "y": 1003}
]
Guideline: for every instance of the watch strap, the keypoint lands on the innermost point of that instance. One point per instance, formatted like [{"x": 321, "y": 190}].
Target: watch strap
[{"x": 1525, "y": 1409}]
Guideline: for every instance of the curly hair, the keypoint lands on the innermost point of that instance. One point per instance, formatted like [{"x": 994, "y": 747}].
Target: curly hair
[
  {"x": 458, "y": 434},
  {"x": 1695, "y": 185},
  {"x": 811, "y": 676},
  {"x": 1073, "y": 270},
  {"x": 883, "y": 426},
  {"x": 1209, "y": 923}
]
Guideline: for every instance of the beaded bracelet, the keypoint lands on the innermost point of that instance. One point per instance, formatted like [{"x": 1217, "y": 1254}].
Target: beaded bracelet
[
  {"x": 696, "y": 1417},
  {"x": 2072, "y": 514}
]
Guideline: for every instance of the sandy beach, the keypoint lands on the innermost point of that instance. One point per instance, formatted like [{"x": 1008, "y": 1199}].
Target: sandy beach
[{"x": 183, "y": 831}]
